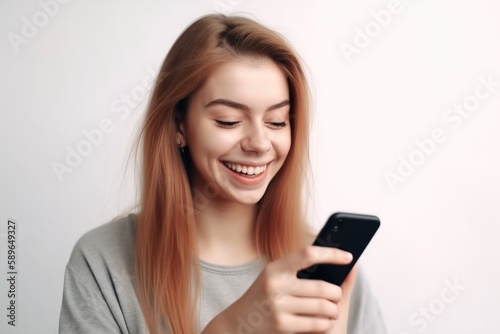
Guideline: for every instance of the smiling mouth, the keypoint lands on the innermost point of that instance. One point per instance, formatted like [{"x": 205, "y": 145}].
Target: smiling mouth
[{"x": 245, "y": 170}]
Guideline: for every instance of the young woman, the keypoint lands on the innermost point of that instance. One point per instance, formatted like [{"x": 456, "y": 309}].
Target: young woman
[{"x": 220, "y": 233}]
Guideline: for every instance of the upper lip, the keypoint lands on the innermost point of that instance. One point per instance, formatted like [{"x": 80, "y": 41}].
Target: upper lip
[{"x": 251, "y": 164}]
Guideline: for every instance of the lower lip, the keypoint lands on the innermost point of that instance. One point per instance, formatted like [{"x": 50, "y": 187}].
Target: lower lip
[{"x": 246, "y": 180}]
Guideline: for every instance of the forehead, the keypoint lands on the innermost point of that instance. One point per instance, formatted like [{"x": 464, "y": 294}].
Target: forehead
[{"x": 257, "y": 83}]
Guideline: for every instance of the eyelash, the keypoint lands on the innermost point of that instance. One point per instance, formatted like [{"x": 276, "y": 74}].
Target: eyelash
[
  {"x": 226, "y": 124},
  {"x": 278, "y": 124},
  {"x": 233, "y": 124}
]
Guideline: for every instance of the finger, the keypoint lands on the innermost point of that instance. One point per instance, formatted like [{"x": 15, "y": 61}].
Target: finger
[
  {"x": 303, "y": 324},
  {"x": 341, "y": 323},
  {"x": 304, "y": 306},
  {"x": 348, "y": 284},
  {"x": 312, "y": 255},
  {"x": 316, "y": 289}
]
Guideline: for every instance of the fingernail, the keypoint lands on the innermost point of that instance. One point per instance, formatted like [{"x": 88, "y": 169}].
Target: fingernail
[{"x": 348, "y": 256}]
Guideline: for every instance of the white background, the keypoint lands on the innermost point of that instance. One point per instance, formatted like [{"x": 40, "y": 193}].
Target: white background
[{"x": 440, "y": 225}]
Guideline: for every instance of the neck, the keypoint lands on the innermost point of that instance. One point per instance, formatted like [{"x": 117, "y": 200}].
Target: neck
[{"x": 225, "y": 232}]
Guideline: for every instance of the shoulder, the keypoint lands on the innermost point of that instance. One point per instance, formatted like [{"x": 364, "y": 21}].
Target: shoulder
[
  {"x": 98, "y": 294},
  {"x": 109, "y": 247},
  {"x": 365, "y": 315},
  {"x": 115, "y": 233}
]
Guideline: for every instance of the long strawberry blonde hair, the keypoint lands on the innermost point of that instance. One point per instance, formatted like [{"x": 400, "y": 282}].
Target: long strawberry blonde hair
[{"x": 166, "y": 256}]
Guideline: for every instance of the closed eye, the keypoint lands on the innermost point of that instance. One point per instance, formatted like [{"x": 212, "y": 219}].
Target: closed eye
[
  {"x": 226, "y": 124},
  {"x": 277, "y": 124}
]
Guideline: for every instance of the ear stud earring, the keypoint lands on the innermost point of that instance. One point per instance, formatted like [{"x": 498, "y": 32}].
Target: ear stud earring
[{"x": 180, "y": 147}]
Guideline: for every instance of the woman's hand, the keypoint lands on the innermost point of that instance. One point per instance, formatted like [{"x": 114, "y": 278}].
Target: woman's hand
[
  {"x": 279, "y": 302},
  {"x": 340, "y": 324}
]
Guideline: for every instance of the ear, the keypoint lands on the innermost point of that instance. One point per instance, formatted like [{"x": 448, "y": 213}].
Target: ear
[
  {"x": 180, "y": 138},
  {"x": 180, "y": 116}
]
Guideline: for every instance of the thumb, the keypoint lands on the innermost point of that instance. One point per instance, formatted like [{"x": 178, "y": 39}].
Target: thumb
[
  {"x": 348, "y": 284},
  {"x": 341, "y": 324}
]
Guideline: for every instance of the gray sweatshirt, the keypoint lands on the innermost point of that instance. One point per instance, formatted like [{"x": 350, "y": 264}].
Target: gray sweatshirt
[{"x": 99, "y": 295}]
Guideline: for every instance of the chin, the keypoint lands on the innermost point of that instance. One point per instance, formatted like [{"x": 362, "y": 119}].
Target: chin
[{"x": 246, "y": 197}]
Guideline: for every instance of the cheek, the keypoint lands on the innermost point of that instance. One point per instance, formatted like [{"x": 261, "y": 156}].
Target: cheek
[
  {"x": 208, "y": 140},
  {"x": 284, "y": 142}
]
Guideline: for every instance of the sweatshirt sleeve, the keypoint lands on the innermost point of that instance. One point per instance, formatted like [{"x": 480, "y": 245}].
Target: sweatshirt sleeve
[
  {"x": 365, "y": 316},
  {"x": 84, "y": 309},
  {"x": 99, "y": 290}
]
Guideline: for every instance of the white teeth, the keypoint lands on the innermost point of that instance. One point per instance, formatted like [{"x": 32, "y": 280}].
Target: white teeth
[{"x": 249, "y": 170}]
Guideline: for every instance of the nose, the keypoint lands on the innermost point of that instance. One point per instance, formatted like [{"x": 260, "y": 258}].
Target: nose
[{"x": 257, "y": 140}]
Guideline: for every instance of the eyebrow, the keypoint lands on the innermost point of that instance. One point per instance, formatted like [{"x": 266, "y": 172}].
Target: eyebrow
[{"x": 236, "y": 105}]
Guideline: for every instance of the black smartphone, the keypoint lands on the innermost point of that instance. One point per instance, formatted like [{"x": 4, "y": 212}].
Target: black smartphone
[{"x": 348, "y": 231}]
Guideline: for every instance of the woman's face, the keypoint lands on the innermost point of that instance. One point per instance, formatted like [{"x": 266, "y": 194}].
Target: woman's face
[{"x": 237, "y": 129}]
